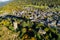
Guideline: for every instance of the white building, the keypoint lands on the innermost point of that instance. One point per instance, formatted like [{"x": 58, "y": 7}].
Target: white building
[{"x": 15, "y": 25}]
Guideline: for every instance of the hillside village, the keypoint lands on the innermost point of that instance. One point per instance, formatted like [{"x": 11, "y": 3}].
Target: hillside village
[
  {"x": 48, "y": 18},
  {"x": 28, "y": 20}
]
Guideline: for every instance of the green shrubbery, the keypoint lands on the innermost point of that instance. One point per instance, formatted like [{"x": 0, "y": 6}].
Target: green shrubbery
[{"x": 33, "y": 30}]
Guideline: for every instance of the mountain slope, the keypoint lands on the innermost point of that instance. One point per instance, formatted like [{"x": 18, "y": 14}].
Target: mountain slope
[{"x": 19, "y": 4}]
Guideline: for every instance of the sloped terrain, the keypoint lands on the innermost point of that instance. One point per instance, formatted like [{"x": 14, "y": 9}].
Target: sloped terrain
[{"x": 30, "y": 20}]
